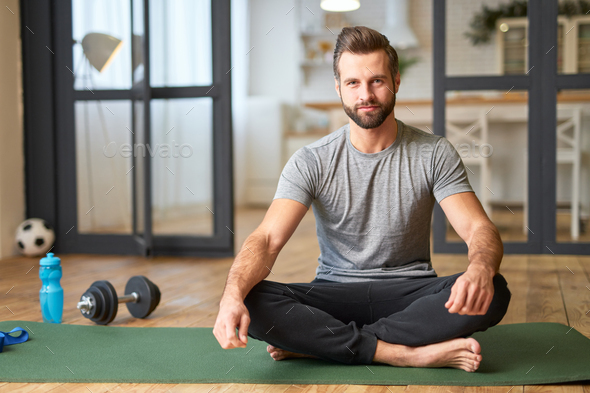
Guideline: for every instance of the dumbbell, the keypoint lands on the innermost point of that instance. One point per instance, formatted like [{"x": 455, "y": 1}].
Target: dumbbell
[{"x": 100, "y": 302}]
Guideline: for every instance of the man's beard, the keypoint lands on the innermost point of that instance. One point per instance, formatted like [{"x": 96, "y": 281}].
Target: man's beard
[{"x": 371, "y": 119}]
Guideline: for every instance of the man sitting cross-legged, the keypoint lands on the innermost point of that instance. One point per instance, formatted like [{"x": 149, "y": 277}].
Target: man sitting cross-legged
[{"x": 372, "y": 184}]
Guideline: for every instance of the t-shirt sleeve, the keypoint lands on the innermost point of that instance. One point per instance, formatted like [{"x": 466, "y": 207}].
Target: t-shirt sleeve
[
  {"x": 299, "y": 178},
  {"x": 449, "y": 173}
]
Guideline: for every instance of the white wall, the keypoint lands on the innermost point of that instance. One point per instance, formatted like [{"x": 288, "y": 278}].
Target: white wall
[
  {"x": 274, "y": 61},
  {"x": 12, "y": 199},
  {"x": 240, "y": 39},
  {"x": 462, "y": 57}
]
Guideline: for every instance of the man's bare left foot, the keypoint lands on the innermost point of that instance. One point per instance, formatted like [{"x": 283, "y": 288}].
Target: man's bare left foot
[
  {"x": 461, "y": 353},
  {"x": 280, "y": 354}
]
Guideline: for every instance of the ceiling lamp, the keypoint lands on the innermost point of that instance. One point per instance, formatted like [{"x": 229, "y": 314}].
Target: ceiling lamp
[{"x": 340, "y": 5}]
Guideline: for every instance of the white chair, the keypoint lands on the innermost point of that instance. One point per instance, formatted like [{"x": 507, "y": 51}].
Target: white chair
[
  {"x": 465, "y": 125},
  {"x": 568, "y": 152}
]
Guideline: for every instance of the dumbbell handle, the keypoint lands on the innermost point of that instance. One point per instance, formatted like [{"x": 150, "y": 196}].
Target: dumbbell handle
[
  {"x": 85, "y": 305},
  {"x": 131, "y": 298}
]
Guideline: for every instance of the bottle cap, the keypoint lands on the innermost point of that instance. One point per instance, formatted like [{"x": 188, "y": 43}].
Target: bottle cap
[{"x": 49, "y": 260}]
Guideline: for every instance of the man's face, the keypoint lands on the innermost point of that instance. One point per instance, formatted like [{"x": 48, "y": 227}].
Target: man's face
[{"x": 367, "y": 90}]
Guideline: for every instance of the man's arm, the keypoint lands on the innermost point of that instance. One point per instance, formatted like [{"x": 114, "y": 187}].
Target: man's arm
[
  {"x": 474, "y": 290},
  {"x": 252, "y": 265}
]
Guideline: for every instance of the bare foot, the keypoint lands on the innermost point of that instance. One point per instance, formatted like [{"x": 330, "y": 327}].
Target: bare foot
[
  {"x": 461, "y": 353},
  {"x": 280, "y": 354}
]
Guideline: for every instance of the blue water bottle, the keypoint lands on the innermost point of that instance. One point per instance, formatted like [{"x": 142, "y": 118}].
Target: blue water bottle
[{"x": 51, "y": 293}]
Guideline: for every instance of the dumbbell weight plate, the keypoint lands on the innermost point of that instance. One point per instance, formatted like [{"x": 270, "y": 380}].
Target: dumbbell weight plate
[
  {"x": 97, "y": 298},
  {"x": 93, "y": 294},
  {"x": 108, "y": 297},
  {"x": 149, "y": 296}
]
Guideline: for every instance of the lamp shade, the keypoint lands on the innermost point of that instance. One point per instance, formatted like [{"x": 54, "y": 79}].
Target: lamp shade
[
  {"x": 340, "y": 5},
  {"x": 396, "y": 28},
  {"x": 100, "y": 49}
]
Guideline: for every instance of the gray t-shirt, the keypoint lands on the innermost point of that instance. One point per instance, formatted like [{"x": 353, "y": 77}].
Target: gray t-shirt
[{"x": 373, "y": 211}]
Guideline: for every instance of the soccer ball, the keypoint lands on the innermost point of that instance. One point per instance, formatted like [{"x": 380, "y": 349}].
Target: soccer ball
[{"x": 34, "y": 237}]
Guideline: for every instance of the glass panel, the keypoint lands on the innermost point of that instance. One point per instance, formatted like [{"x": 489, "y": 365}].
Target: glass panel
[
  {"x": 180, "y": 43},
  {"x": 560, "y": 45},
  {"x": 102, "y": 51},
  {"x": 103, "y": 151},
  {"x": 138, "y": 40},
  {"x": 489, "y": 131},
  {"x": 583, "y": 44},
  {"x": 573, "y": 40},
  {"x": 138, "y": 173},
  {"x": 513, "y": 47},
  {"x": 138, "y": 168},
  {"x": 573, "y": 166},
  {"x": 182, "y": 166},
  {"x": 486, "y": 37}
]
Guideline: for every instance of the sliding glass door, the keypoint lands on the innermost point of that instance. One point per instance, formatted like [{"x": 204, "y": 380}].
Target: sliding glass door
[
  {"x": 143, "y": 127},
  {"x": 514, "y": 98}
]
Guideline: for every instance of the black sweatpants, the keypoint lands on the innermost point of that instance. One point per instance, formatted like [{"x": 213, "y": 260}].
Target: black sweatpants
[{"x": 342, "y": 321}]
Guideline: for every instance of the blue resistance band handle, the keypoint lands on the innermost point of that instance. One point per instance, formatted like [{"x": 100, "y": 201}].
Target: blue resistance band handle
[{"x": 7, "y": 339}]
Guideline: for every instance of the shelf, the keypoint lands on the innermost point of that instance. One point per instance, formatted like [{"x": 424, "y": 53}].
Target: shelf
[
  {"x": 315, "y": 64},
  {"x": 514, "y": 45},
  {"x": 320, "y": 36}
]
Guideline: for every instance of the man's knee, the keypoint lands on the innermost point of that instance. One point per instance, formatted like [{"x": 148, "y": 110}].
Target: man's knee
[
  {"x": 501, "y": 300},
  {"x": 259, "y": 303},
  {"x": 261, "y": 295},
  {"x": 254, "y": 296},
  {"x": 496, "y": 310}
]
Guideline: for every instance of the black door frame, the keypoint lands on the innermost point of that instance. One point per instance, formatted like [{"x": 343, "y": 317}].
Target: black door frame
[
  {"x": 50, "y": 168},
  {"x": 542, "y": 84}
]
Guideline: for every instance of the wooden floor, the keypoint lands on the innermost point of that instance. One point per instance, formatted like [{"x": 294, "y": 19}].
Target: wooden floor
[{"x": 544, "y": 288}]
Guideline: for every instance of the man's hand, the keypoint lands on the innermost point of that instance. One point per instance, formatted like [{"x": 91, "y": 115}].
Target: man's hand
[
  {"x": 473, "y": 291},
  {"x": 232, "y": 314}
]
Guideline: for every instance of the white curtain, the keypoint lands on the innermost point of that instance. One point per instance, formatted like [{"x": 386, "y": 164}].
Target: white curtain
[{"x": 240, "y": 42}]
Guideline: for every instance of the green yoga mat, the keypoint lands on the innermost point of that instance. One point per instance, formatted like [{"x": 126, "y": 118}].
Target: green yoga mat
[{"x": 520, "y": 354}]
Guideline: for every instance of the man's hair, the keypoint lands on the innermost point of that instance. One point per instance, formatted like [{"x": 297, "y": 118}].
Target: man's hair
[{"x": 363, "y": 40}]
